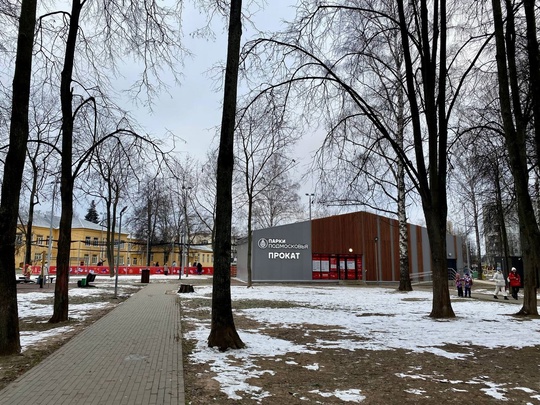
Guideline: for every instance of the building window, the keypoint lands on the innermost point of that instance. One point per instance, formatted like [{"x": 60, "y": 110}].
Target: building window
[
  {"x": 134, "y": 261},
  {"x": 96, "y": 241},
  {"x": 87, "y": 241},
  {"x": 39, "y": 239},
  {"x": 86, "y": 259},
  {"x": 18, "y": 239},
  {"x": 37, "y": 257},
  {"x": 94, "y": 259},
  {"x": 119, "y": 261}
]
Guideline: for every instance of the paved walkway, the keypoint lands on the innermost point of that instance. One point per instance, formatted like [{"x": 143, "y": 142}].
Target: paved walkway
[{"x": 131, "y": 356}]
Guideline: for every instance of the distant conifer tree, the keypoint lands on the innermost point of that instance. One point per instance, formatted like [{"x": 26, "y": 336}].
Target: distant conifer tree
[{"x": 92, "y": 214}]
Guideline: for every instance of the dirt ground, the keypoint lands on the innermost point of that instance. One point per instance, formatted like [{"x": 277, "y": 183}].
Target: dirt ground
[{"x": 384, "y": 377}]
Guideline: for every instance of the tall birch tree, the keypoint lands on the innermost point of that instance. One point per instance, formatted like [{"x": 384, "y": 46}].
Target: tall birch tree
[{"x": 310, "y": 53}]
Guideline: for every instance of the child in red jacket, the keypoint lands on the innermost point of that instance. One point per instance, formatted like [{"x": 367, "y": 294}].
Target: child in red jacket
[{"x": 515, "y": 282}]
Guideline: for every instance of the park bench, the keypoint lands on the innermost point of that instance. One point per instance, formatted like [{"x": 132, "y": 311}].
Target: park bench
[
  {"x": 85, "y": 282},
  {"x": 50, "y": 279}
]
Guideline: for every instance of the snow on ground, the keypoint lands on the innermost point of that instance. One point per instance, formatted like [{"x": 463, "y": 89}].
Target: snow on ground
[
  {"x": 34, "y": 305},
  {"x": 369, "y": 318}
]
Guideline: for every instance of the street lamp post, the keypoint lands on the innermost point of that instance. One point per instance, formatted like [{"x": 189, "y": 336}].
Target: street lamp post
[
  {"x": 148, "y": 248},
  {"x": 118, "y": 253},
  {"x": 49, "y": 253},
  {"x": 101, "y": 244},
  {"x": 310, "y": 196},
  {"x": 184, "y": 236},
  {"x": 377, "y": 259}
]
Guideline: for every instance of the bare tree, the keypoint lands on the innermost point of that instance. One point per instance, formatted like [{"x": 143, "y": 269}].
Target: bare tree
[
  {"x": 205, "y": 197},
  {"x": 109, "y": 177},
  {"x": 262, "y": 140},
  {"x": 279, "y": 200},
  {"x": 223, "y": 332},
  {"x": 151, "y": 218},
  {"x": 515, "y": 122},
  {"x": 39, "y": 161},
  {"x": 431, "y": 89},
  {"x": 11, "y": 183},
  {"x": 118, "y": 23}
]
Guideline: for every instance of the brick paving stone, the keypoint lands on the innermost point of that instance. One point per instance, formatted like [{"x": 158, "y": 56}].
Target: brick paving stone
[{"x": 130, "y": 356}]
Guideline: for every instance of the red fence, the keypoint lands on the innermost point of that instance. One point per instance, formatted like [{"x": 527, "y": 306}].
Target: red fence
[{"x": 125, "y": 270}]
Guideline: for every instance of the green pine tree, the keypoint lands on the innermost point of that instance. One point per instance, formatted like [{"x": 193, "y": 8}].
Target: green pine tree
[{"x": 92, "y": 214}]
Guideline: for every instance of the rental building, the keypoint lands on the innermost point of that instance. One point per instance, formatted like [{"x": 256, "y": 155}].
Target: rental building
[{"x": 354, "y": 246}]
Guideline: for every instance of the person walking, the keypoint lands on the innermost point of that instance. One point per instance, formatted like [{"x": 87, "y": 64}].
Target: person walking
[
  {"x": 467, "y": 283},
  {"x": 166, "y": 269},
  {"x": 499, "y": 285},
  {"x": 515, "y": 282},
  {"x": 459, "y": 285}
]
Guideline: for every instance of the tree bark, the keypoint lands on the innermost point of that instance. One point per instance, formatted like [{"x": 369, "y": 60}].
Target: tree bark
[
  {"x": 477, "y": 233},
  {"x": 432, "y": 188},
  {"x": 404, "y": 276},
  {"x": 534, "y": 68},
  {"x": 250, "y": 241},
  {"x": 223, "y": 331},
  {"x": 30, "y": 220},
  {"x": 515, "y": 126},
  {"x": 61, "y": 299},
  {"x": 12, "y": 181}
]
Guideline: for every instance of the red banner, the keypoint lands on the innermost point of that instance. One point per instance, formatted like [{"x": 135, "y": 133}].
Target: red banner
[{"x": 125, "y": 270}]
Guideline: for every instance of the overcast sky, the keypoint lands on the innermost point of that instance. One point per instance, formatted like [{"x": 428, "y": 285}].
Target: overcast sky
[{"x": 192, "y": 110}]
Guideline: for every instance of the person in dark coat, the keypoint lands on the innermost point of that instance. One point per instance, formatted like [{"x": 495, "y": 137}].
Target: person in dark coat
[
  {"x": 467, "y": 283},
  {"x": 459, "y": 285}
]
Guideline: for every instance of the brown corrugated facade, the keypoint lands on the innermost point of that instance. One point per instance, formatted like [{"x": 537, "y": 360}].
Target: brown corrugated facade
[
  {"x": 375, "y": 239},
  {"x": 354, "y": 246}
]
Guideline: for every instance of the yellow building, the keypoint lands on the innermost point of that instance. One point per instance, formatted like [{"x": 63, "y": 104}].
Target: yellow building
[{"x": 88, "y": 242}]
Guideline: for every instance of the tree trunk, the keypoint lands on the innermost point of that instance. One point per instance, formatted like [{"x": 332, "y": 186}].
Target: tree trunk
[
  {"x": 223, "y": 331},
  {"x": 404, "y": 277},
  {"x": 502, "y": 223},
  {"x": 515, "y": 125},
  {"x": 60, "y": 308},
  {"x": 250, "y": 241},
  {"x": 28, "y": 250},
  {"x": 11, "y": 184},
  {"x": 534, "y": 69},
  {"x": 436, "y": 228},
  {"x": 432, "y": 184},
  {"x": 477, "y": 233}
]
